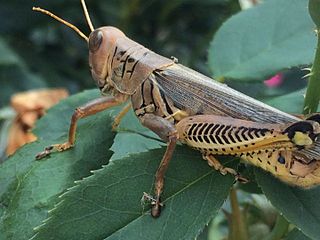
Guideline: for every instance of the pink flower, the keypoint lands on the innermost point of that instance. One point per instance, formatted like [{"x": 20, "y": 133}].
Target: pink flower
[{"x": 275, "y": 81}]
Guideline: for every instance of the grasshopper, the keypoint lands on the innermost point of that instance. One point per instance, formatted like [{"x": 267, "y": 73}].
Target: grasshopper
[{"x": 180, "y": 104}]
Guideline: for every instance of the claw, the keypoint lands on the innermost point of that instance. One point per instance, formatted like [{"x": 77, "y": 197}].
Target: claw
[
  {"x": 56, "y": 147},
  {"x": 156, "y": 208},
  {"x": 45, "y": 153},
  {"x": 241, "y": 179},
  {"x": 155, "y": 203},
  {"x": 146, "y": 197}
]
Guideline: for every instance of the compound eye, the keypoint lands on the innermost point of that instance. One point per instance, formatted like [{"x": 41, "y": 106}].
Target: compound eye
[{"x": 95, "y": 40}]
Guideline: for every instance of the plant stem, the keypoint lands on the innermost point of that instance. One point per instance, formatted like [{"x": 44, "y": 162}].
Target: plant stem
[
  {"x": 279, "y": 230},
  {"x": 238, "y": 226},
  {"x": 311, "y": 101}
]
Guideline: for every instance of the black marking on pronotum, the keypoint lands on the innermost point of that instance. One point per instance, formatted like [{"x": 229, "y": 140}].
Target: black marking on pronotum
[
  {"x": 124, "y": 66},
  {"x": 114, "y": 54},
  {"x": 121, "y": 53},
  {"x": 132, "y": 69},
  {"x": 130, "y": 60},
  {"x": 145, "y": 54},
  {"x": 135, "y": 64}
]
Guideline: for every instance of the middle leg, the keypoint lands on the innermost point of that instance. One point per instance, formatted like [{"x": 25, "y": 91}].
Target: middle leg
[
  {"x": 213, "y": 162},
  {"x": 166, "y": 131}
]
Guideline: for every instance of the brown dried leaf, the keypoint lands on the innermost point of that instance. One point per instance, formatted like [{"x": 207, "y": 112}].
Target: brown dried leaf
[
  {"x": 37, "y": 99},
  {"x": 30, "y": 106}
]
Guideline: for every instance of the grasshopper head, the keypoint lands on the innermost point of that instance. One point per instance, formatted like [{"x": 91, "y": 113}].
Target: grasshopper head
[{"x": 102, "y": 45}]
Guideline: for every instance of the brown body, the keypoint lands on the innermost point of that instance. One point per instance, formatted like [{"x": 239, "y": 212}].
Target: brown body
[{"x": 178, "y": 103}]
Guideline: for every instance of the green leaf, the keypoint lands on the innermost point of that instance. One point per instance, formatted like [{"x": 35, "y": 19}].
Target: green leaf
[
  {"x": 29, "y": 188},
  {"x": 107, "y": 204},
  {"x": 7, "y": 57},
  {"x": 314, "y": 10},
  {"x": 301, "y": 207},
  {"x": 259, "y": 42},
  {"x": 295, "y": 234},
  {"x": 312, "y": 95},
  {"x": 291, "y": 102},
  {"x": 14, "y": 75}
]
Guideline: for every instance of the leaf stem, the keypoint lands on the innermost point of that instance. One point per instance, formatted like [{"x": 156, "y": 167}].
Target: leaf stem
[
  {"x": 279, "y": 230},
  {"x": 313, "y": 90},
  {"x": 238, "y": 228}
]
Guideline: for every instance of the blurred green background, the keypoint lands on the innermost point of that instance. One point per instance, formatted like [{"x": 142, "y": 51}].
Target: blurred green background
[{"x": 36, "y": 51}]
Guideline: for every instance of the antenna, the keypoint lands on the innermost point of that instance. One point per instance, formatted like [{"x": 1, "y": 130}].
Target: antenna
[
  {"x": 85, "y": 10},
  {"x": 77, "y": 30}
]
